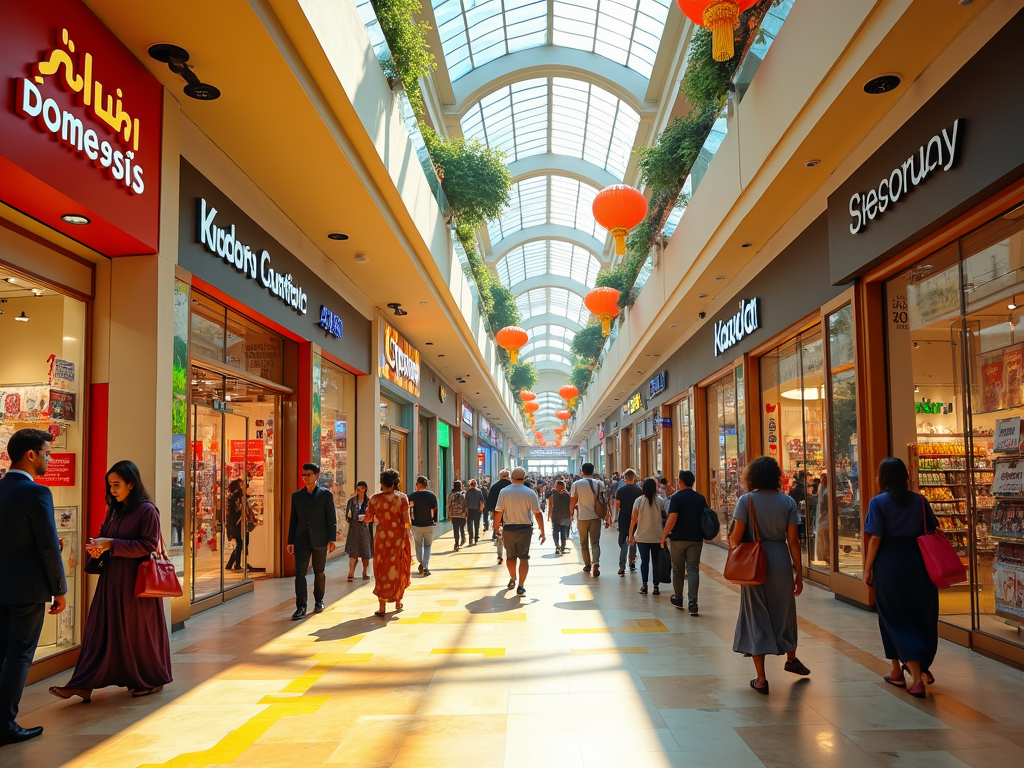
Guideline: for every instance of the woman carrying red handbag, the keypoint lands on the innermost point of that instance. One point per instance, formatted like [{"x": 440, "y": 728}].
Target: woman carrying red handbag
[
  {"x": 905, "y": 596},
  {"x": 125, "y": 640}
]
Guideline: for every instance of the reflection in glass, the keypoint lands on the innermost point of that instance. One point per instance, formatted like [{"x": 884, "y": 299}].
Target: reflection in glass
[
  {"x": 724, "y": 463},
  {"x": 845, "y": 490}
]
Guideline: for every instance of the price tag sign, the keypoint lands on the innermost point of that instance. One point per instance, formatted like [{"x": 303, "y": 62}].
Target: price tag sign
[
  {"x": 1008, "y": 479},
  {"x": 1007, "y": 435}
]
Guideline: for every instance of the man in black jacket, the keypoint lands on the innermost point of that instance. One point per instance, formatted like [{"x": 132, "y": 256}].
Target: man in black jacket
[
  {"x": 312, "y": 531},
  {"x": 31, "y": 571},
  {"x": 492, "y": 496}
]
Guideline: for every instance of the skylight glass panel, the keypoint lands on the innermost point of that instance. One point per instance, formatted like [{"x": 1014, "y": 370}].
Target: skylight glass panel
[
  {"x": 527, "y": 208},
  {"x": 548, "y": 257},
  {"x": 474, "y": 32},
  {"x": 589, "y": 122},
  {"x": 555, "y": 301},
  {"x": 572, "y": 204},
  {"x": 512, "y": 119},
  {"x": 627, "y": 32}
]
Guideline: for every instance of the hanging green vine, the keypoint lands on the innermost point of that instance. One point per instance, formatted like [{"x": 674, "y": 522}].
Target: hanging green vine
[{"x": 410, "y": 58}]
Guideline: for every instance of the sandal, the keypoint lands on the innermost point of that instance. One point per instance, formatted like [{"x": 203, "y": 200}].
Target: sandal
[
  {"x": 350, "y": 577},
  {"x": 147, "y": 692},
  {"x": 66, "y": 693},
  {"x": 917, "y": 690},
  {"x": 897, "y": 682},
  {"x": 926, "y": 674},
  {"x": 511, "y": 583},
  {"x": 762, "y": 690},
  {"x": 796, "y": 667}
]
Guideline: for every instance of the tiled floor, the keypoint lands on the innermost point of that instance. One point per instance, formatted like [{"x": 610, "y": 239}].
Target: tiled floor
[{"x": 580, "y": 672}]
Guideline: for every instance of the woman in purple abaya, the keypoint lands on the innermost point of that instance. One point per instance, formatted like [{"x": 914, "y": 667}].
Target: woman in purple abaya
[{"x": 125, "y": 641}]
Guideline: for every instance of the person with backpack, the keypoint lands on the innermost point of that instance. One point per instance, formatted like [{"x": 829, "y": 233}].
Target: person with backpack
[
  {"x": 685, "y": 540},
  {"x": 588, "y": 500},
  {"x": 458, "y": 512}
]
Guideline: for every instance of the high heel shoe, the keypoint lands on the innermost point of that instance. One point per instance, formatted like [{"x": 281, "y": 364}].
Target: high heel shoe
[{"x": 66, "y": 693}]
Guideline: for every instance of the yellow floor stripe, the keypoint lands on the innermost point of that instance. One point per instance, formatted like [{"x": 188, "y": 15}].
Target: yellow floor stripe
[
  {"x": 627, "y": 650},
  {"x": 344, "y": 658},
  {"x": 458, "y": 617},
  {"x": 304, "y": 682},
  {"x": 633, "y": 626},
  {"x": 487, "y": 652}
]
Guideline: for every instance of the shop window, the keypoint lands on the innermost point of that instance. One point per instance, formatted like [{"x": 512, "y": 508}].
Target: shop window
[
  {"x": 42, "y": 373},
  {"x": 337, "y": 407},
  {"x": 725, "y": 453},
  {"x": 682, "y": 427}
]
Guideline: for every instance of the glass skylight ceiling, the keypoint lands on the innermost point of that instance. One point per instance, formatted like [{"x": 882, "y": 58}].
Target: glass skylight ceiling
[
  {"x": 475, "y": 32},
  {"x": 555, "y": 301},
  {"x": 544, "y": 343},
  {"x": 586, "y": 122},
  {"x": 548, "y": 257},
  {"x": 548, "y": 200}
]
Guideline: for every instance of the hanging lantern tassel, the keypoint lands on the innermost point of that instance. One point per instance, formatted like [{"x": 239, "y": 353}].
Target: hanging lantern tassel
[{"x": 721, "y": 18}]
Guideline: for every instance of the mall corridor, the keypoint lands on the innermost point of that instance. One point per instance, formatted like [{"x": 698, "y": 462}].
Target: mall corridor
[{"x": 580, "y": 672}]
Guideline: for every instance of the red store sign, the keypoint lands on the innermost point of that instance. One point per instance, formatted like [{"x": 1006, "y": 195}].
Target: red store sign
[
  {"x": 60, "y": 472},
  {"x": 238, "y": 451},
  {"x": 80, "y": 127}
]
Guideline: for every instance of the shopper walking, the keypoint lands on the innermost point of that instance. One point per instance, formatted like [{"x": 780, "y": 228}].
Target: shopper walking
[
  {"x": 457, "y": 513},
  {"x": 560, "y": 516},
  {"x": 424, "y": 518},
  {"x": 629, "y": 491},
  {"x": 125, "y": 640},
  {"x": 906, "y": 598},
  {"x": 589, "y": 502},
  {"x": 475, "y": 503},
  {"x": 685, "y": 540},
  {"x": 516, "y": 503},
  {"x": 767, "y": 622},
  {"x": 359, "y": 540},
  {"x": 645, "y": 529},
  {"x": 822, "y": 528},
  {"x": 31, "y": 571},
  {"x": 312, "y": 530},
  {"x": 492, "y": 500},
  {"x": 240, "y": 523},
  {"x": 389, "y": 509}
]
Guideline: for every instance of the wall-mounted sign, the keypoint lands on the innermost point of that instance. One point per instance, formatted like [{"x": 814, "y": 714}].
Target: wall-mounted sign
[
  {"x": 549, "y": 453},
  {"x": 940, "y": 152},
  {"x": 732, "y": 331},
  {"x": 331, "y": 323},
  {"x": 658, "y": 384},
  {"x": 222, "y": 242},
  {"x": 634, "y": 404},
  {"x": 80, "y": 131},
  {"x": 467, "y": 414},
  {"x": 442, "y": 393},
  {"x": 399, "y": 360},
  {"x": 246, "y": 451},
  {"x": 927, "y": 406},
  {"x": 1007, "y": 435},
  {"x": 60, "y": 472}
]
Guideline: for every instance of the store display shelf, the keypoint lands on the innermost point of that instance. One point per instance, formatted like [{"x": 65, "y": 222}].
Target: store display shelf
[
  {"x": 999, "y": 410},
  {"x": 1006, "y": 538},
  {"x": 950, "y": 514}
]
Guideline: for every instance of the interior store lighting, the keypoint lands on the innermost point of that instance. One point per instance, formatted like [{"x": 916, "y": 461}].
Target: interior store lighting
[
  {"x": 810, "y": 393},
  {"x": 23, "y": 318}
]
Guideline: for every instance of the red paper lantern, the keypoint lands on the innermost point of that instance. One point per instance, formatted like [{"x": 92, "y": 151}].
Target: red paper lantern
[
  {"x": 570, "y": 393},
  {"x": 603, "y": 302},
  {"x": 526, "y": 395},
  {"x": 563, "y": 415},
  {"x": 721, "y": 17},
  {"x": 539, "y": 435},
  {"x": 531, "y": 407},
  {"x": 618, "y": 209},
  {"x": 513, "y": 338}
]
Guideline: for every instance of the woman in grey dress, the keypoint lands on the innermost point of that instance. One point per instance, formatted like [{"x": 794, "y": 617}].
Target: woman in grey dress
[
  {"x": 359, "y": 542},
  {"x": 767, "y": 620}
]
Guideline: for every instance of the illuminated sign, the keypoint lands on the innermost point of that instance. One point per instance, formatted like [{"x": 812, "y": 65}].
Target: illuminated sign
[
  {"x": 331, "y": 323},
  {"x": 222, "y": 242},
  {"x": 634, "y": 404},
  {"x": 467, "y": 414},
  {"x": 658, "y": 384},
  {"x": 442, "y": 393},
  {"x": 732, "y": 331},
  {"x": 399, "y": 360}
]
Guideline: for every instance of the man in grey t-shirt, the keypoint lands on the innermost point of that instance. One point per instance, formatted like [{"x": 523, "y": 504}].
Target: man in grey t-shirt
[
  {"x": 585, "y": 493},
  {"x": 516, "y": 504}
]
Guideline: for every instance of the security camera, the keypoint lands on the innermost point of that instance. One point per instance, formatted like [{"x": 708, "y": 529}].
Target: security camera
[{"x": 702, "y": 315}]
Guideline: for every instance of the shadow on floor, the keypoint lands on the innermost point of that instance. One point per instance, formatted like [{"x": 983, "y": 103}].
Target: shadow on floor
[
  {"x": 501, "y": 602},
  {"x": 351, "y": 628}
]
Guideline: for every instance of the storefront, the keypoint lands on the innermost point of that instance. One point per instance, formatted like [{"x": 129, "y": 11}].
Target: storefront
[
  {"x": 399, "y": 372},
  {"x": 942, "y": 266},
  {"x": 489, "y": 449},
  {"x": 68, "y": 169},
  {"x": 469, "y": 466},
  {"x": 438, "y": 414},
  {"x": 265, "y": 363}
]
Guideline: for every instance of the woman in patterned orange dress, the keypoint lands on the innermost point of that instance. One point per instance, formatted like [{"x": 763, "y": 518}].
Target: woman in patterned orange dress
[{"x": 392, "y": 551}]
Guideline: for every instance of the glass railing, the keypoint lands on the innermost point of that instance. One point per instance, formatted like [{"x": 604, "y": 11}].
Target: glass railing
[
  {"x": 645, "y": 272},
  {"x": 764, "y": 37},
  {"x": 384, "y": 58},
  {"x": 708, "y": 151}
]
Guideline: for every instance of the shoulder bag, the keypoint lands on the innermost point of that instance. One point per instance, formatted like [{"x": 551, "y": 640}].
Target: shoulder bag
[
  {"x": 943, "y": 563},
  {"x": 600, "y": 505},
  {"x": 710, "y": 525},
  {"x": 156, "y": 576},
  {"x": 747, "y": 563}
]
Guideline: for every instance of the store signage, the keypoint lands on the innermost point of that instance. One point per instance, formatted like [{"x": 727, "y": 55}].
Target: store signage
[
  {"x": 63, "y": 370},
  {"x": 1008, "y": 478},
  {"x": 60, "y": 472},
  {"x": 331, "y": 323},
  {"x": 600, "y": 431},
  {"x": 730, "y": 332},
  {"x": 246, "y": 450},
  {"x": 1007, "y": 435},
  {"x": 63, "y": 405},
  {"x": 400, "y": 361},
  {"x": 940, "y": 151},
  {"x": 658, "y": 384},
  {"x": 634, "y": 404},
  {"x": 927, "y": 406},
  {"x": 221, "y": 242},
  {"x": 442, "y": 393},
  {"x": 666, "y": 423},
  {"x": 772, "y": 414},
  {"x": 81, "y": 130},
  {"x": 467, "y": 414},
  {"x": 542, "y": 453}
]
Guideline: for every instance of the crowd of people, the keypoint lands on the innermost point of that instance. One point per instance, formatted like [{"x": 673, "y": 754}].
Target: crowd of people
[{"x": 125, "y": 641}]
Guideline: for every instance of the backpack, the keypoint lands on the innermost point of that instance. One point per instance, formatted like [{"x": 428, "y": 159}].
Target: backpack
[
  {"x": 457, "y": 505},
  {"x": 600, "y": 505}
]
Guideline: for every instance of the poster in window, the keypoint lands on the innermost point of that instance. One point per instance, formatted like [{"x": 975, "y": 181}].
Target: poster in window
[
  {"x": 1008, "y": 580},
  {"x": 63, "y": 405},
  {"x": 1013, "y": 359},
  {"x": 992, "y": 384}
]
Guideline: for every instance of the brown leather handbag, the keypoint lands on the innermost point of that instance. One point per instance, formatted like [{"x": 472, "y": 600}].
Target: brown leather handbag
[{"x": 747, "y": 563}]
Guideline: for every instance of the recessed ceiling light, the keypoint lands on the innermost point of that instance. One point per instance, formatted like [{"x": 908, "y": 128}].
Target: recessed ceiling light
[
  {"x": 11, "y": 279},
  {"x": 699, "y": 296},
  {"x": 37, "y": 292},
  {"x": 22, "y": 317},
  {"x": 745, "y": 245},
  {"x": 75, "y": 218},
  {"x": 882, "y": 84},
  {"x": 812, "y": 163},
  {"x": 440, "y": 355},
  {"x": 720, "y": 277},
  {"x": 430, "y": 343},
  {"x": 672, "y": 326},
  {"x": 337, "y": 236},
  {"x": 423, "y": 303}
]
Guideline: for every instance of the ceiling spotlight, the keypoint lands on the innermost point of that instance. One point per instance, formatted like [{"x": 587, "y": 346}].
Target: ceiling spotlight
[
  {"x": 23, "y": 318},
  {"x": 673, "y": 324},
  {"x": 397, "y": 309},
  {"x": 812, "y": 163},
  {"x": 720, "y": 277},
  {"x": 430, "y": 343},
  {"x": 440, "y": 355},
  {"x": 75, "y": 218},
  {"x": 11, "y": 279},
  {"x": 361, "y": 259},
  {"x": 964, "y": 3},
  {"x": 745, "y": 245},
  {"x": 37, "y": 292},
  {"x": 176, "y": 59},
  {"x": 882, "y": 84},
  {"x": 1011, "y": 305},
  {"x": 917, "y": 388},
  {"x": 699, "y": 296},
  {"x": 340, "y": 236},
  {"x": 423, "y": 303}
]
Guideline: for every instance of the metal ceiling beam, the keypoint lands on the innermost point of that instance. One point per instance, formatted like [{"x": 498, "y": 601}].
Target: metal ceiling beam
[
  {"x": 549, "y": 318},
  {"x": 499, "y": 248},
  {"x": 550, "y": 281},
  {"x": 549, "y": 164}
]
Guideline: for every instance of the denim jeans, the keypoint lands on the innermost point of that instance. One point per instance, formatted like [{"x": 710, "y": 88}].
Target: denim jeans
[
  {"x": 686, "y": 564},
  {"x": 422, "y": 539},
  {"x": 561, "y": 534},
  {"x": 648, "y": 559},
  {"x": 623, "y": 541}
]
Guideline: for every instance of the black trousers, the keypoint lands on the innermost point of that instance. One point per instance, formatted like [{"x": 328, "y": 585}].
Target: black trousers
[
  {"x": 459, "y": 530},
  {"x": 474, "y": 527},
  {"x": 236, "y": 556},
  {"x": 20, "y": 626},
  {"x": 303, "y": 555}
]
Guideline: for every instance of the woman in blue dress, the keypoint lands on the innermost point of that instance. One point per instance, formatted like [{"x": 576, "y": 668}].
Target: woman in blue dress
[{"x": 906, "y": 598}]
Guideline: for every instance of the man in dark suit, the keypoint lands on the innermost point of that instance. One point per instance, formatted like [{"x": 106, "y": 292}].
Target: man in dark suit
[
  {"x": 31, "y": 571},
  {"x": 312, "y": 531}
]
